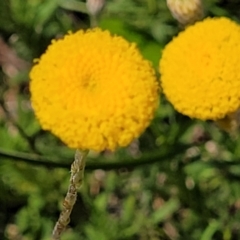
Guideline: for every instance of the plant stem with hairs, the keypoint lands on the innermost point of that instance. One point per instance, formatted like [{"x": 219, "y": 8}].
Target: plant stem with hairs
[{"x": 76, "y": 179}]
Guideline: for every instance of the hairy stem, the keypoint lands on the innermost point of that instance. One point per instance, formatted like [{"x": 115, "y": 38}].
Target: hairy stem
[{"x": 76, "y": 179}]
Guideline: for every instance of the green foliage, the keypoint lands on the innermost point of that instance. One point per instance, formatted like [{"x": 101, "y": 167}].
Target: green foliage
[{"x": 180, "y": 180}]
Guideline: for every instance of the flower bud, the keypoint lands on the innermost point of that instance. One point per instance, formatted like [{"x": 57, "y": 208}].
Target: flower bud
[
  {"x": 94, "y": 7},
  {"x": 186, "y": 12}
]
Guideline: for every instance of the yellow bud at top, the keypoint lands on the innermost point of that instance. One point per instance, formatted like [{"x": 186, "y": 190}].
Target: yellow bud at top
[
  {"x": 186, "y": 12},
  {"x": 94, "y": 7}
]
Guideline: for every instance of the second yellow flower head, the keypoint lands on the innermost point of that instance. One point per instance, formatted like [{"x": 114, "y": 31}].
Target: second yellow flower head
[{"x": 200, "y": 69}]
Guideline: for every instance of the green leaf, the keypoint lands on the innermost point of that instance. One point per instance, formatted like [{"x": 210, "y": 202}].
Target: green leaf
[
  {"x": 45, "y": 11},
  {"x": 165, "y": 211},
  {"x": 210, "y": 230},
  {"x": 73, "y": 5},
  {"x": 128, "y": 209}
]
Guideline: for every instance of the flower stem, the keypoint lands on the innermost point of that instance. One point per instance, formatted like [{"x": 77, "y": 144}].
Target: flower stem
[
  {"x": 93, "y": 21},
  {"x": 76, "y": 179}
]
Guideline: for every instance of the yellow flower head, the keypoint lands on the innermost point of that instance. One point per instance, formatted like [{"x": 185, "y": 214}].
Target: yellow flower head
[
  {"x": 93, "y": 90},
  {"x": 200, "y": 69}
]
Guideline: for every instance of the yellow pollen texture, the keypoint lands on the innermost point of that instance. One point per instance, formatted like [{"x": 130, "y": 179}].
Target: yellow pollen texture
[
  {"x": 94, "y": 90},
  {"x": 200, "y": 69}
]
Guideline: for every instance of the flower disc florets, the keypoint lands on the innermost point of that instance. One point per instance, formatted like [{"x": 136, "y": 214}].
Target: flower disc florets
[
  {"x": 93, "y": 90},
  {"x": 200, "y": 69}
]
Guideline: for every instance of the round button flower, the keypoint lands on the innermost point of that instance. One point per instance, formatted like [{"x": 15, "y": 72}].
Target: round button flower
[
  {"x": 94, "y": 90},
  {"x": 200, "y": 69}
]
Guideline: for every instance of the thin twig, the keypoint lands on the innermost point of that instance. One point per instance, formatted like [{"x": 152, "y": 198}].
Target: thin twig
[
  {"x": 76, "y": 179},
  {"x": 159, "y": 155}
]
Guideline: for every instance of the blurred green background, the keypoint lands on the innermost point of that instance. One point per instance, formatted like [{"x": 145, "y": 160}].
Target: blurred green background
[{"x": 180, "y": 180}]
